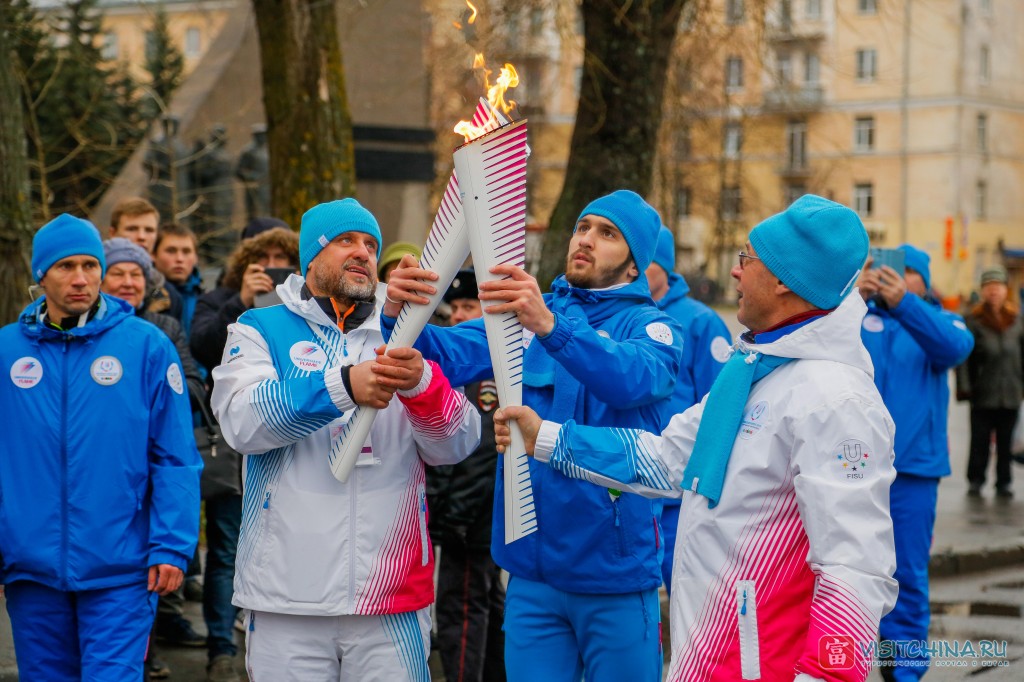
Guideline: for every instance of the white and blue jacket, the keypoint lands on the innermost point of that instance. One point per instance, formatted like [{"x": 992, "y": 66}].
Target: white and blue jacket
[
  {"x": 913, "y": 346},
  {"x": 611, "y": 360},
  {"x": 100, "y": 474}
]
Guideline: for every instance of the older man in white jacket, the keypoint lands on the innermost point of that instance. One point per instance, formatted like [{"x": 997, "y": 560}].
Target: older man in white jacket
[
  {"x": 337, "y": 577},
  {"x": 784, "y": 555}
]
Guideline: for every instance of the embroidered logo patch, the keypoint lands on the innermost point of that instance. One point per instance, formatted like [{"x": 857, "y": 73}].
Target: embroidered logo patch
[
  {"x": 852, "y": 459},
  {"x": 106, "y": 370},
  {"x": 873, "y": 323},
  {"x": 660, "y": 332},
  {"x": 754, "y": 419},
  {"x": 174, "y": 379},
  {"x": 308, "y": 356},
  {"x": 487, "y": 398},
  {"x": 26, "y": 372},
  {"x": 836, "y": 652},
  {"x": 720, "y": 349}
]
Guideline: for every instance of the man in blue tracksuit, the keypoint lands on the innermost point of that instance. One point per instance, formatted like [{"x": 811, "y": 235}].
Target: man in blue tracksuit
[
  {"x": 583, "y": 595},
  {"x": 99, "y": 482},
  {"x": 706, "y": 347},
  {"x": 913, "y": 344}
]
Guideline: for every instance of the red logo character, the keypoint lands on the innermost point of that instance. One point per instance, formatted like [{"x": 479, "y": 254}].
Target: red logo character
[{"x": 836, "y": 652}]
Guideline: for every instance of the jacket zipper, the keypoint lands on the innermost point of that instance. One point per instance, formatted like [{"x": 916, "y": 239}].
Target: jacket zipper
[
  {"x": 750, "y": 650},
  {"x": 422, "y": 513},
  {"x": 64, "y": 467}
]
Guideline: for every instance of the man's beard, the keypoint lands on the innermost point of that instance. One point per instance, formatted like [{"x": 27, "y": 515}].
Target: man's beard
[
  {"x": 337, "y": 287},
  {"x": 600, "y": 277}
]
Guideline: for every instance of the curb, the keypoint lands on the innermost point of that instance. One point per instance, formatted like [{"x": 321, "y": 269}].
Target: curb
[{"x": 951, "y": 562}]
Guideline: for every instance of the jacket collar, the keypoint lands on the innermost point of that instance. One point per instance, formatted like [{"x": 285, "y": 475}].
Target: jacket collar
[{"x": 110, "y": 311}]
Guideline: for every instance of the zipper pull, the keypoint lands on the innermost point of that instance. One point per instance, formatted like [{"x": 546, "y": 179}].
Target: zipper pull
[
  {"x": 616, "y": 514},
  {"x": 266, "y": 502},
  {"x": 344, "y": 347},
  {"x": 743, "y": 607}
]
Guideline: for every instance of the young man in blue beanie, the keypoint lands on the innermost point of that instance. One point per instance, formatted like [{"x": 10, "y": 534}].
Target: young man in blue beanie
[
  {"x": 583, "y": 597},
  {"x": 706, "y": 347},
  {"x": 784, "y": 557},
  {"x": 97, "y": 521},
  {"x": 913, "y": 344},
  {"x": 337, "y": 577}
]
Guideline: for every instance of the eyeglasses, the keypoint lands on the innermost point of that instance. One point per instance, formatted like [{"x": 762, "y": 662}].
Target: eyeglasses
[{"x": 744, "y": 257}]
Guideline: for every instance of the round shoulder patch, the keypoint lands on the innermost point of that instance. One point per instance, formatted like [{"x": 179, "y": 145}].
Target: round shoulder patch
[
  {"x": 174, "y": 379},
  {"x": 660, "y": 332},
  {"x": 721, "y": 349},
  {"x": 106, "y": 370},
  {"x": 852, "y": 459},
  {"x": 873, "y": 323},
  {"x": 26, "y": 372},
  {"x": 308, "y": 356}
]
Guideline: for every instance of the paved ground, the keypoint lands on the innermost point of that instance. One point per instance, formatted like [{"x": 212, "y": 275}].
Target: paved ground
[{"x": 971, "y": 603}]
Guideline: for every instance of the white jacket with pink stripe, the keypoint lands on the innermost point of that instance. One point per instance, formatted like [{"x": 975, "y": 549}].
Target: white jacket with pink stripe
[
  {"x": 309, "y": 544},
  {"x": 788, "y": 576}
]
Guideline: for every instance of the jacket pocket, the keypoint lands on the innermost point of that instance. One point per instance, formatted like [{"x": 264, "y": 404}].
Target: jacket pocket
[
  {"x": 746, "y": 613},
  {"x": 421, "y": 512}
]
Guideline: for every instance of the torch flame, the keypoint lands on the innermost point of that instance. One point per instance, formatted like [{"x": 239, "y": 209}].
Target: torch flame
[
  {"x": 507, "y": 78},
  {"x": 472, "y": 16}
]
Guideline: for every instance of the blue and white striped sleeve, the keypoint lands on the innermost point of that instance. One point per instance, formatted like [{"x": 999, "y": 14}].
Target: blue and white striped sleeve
[
  {"x": 624, "y": 459},
  {"x": 258, "y": 411}
]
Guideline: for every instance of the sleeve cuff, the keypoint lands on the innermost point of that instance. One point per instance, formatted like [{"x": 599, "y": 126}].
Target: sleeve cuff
[
  {"x": 168, "y": 557},
  {"x": 558, "y": 336},
  {"x": 425, "y": 379},
  {"x": 547, "y": 437},
  {"x": 336, "y": 389}
]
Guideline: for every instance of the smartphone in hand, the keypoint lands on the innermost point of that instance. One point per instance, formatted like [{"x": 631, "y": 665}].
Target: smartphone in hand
[
  {"x": 894, "y": 258},
  {"x": 277, "y": 276}
]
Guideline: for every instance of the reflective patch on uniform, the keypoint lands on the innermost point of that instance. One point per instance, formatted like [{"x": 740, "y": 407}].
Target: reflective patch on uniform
[
  {"x": 487, "y": 398},
  {"x": 26, "y": 372},
  {"x": 660, "y": 332},
  {"x": 959, "y": 324},
  {"x": 721, "y": 349},
  {"x": 174, "y": 379},
  {"x": 603, "y": 334},
  {"x": 754, "y": 420},
  {"x": 852, "y": 459},
  {"x": 106, "y": 370},
  {"x": 307, "y": 356},
  {"x": 873, "y": 323}
]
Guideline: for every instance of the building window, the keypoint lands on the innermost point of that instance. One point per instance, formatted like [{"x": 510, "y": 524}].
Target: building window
[
  {"x": 732, "y": 140},
  {"x": 866, "y": 64},
  {"x": 813, "y": 9},
  {"x": 864, "y": 199},
  {"x": 109, "y": 51},
  {"x": 867, "y": 6},
  {"x": 536, "y": 20},
  {"x": 731, "y": 203},
  {"x": 734, "y": 73},
  {"x": 785, "y": 68},
  {"x": 683, "y": 143},
  {"x": 734, "y": 11},
  {"x": 193, "y": 43},
  {"x": 983, "y": 64},
  {"x": 864, "y": 134},
  {"x": 981, "y": 200},
  {"x": 796, "y": 145},
  {"x": 794, "y": 192},
  {"x": 683, "y": 202},
  {"x": 982, "y": 132},
  {"x": 812, "y": 68}
]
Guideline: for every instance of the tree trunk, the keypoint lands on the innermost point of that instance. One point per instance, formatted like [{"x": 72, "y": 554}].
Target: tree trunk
[
  {"x": 627, "y": 47},
  {"x": 15, "y": 211},
  {"x": 309, "y": 128}
]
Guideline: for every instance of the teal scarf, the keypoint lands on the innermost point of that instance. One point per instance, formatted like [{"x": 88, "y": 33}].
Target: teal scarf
[{"x": 723, "y": 412}]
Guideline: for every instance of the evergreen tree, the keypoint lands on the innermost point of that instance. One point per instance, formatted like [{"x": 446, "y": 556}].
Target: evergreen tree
[{"x": 164, "y": 63}]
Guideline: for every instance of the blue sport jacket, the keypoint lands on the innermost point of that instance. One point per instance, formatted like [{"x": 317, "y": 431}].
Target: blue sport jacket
[
  {"x": 99, "y": 477},
  {"x": 913, "y": 346},
  {"x": 611, "y": 360}
]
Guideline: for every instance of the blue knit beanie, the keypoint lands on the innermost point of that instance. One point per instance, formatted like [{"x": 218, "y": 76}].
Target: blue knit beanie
[
  {"x": 65, "y": 236},
  {"x": 121, "y": 250},
  {"x": 816, "y": 247},
  {"x": 665, "y": 254},
  {"x": 918, "y": 261},
  {"x": 636, "y": 220},
  {"x": 324, "y": 222}
]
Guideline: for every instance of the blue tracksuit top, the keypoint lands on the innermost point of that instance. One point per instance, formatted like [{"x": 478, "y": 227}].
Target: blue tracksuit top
[
  {"x": 912, "y": 347},
  {"x": 100, "y": 474},
  {"x": 706, "y": 343},
  {"x": 611, "y": 360}
]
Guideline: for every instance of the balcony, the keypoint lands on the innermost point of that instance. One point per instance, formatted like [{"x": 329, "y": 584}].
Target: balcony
[
  {"x": 788, "y": 31},
  {"x": 794, "y": 98},
  {"x": 795, "y": 169}
]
